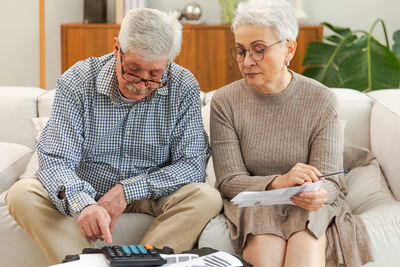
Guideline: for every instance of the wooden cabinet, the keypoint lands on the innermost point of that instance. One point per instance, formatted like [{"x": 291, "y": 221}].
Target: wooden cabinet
[{"x": 205, "y": 49}]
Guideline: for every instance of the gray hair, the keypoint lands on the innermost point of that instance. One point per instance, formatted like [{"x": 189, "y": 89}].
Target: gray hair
[
  {"x": 277, "y": 14},
  {"x": 151, "y": 34}
]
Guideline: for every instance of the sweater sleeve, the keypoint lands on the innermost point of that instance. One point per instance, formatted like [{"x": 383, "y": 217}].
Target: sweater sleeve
[
  {"x": 326, "y": 148},
  {"x": 232, "y": 176}
]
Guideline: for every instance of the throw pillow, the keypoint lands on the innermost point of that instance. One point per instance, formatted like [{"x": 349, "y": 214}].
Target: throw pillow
[
  {"x": 367, "y": 187},
  {"x": 205, "y": 113},
  {"x": 355, "y": 156},
  {"x": 38, "y": 125}
]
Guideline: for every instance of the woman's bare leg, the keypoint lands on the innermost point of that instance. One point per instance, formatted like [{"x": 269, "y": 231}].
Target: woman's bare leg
[{"x": 264, "y": 250}]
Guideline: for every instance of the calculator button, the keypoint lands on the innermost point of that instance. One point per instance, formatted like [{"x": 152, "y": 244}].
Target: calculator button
[
  {"x": 126, "y": 250},
  {"x": 142, "y": 249},
  {"x": 134, "y": 249}
]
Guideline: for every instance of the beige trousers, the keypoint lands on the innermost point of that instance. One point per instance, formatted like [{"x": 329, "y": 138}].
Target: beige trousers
[{"x": 180, "y": 218}]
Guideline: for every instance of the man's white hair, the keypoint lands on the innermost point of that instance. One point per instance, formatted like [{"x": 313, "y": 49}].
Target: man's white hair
[
  {"x": 277, "y": 14},
  {"x": 151, "y": 34}
]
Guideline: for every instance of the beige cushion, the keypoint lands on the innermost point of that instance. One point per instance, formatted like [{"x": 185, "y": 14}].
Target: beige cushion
[
  {"x": 13, "y": 159},
  {"x": 38, "y": 125},
  {"x": 205, "y": 112},
  {"x": 45, "y": 103},
  {"x": 216, "y": 235},
  {"x": 366, "y": 188}
]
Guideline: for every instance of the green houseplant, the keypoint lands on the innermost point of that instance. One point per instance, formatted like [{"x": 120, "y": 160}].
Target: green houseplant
[
  {"x": 354, "y": 59},
  {"x": 228, "y": 8}
]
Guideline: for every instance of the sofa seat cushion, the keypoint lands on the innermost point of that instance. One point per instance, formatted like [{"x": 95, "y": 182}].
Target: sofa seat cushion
[
  {"x": 14, "y": 237},
  {"x": 13, "y": 159}
]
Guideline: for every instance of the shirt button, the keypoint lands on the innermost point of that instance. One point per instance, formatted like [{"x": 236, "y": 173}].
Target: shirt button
[
  {"x": 74, "y": 205},
  {"x": 123, "y": 175},
  {"x": 128, "y": 132},
  {"x": 126, "y": 155},
  {"x": 132, "y": 181}
]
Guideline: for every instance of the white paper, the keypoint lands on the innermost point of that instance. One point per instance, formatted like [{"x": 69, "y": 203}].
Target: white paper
[
  {"x": 273, "y": 197},
  {"x": 216, "y": 259}
]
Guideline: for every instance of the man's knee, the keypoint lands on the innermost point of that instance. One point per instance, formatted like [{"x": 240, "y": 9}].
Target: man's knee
[
  {"x": 207, "y": 197},
  {"x": 21, "y": 195}
]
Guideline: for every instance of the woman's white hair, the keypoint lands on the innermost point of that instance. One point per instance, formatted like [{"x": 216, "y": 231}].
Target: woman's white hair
[
  {"x": 151, "y": 34},
  {"x": 277, "y": 14}
]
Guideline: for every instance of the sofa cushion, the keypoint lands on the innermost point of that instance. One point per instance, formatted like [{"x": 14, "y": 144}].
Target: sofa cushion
[
  {"x": 13, "y": 159},
  {"x": 17, "y": 106},
  {"x": 38, "y": 125},
  {"x": 355, "y": 108},
  {"x": 205, "y": 113},
  {"x": 216, "y": 235},
  {"x": 366, "y": 187},
  {"x": 385, "y": 135},
  {"x": 45, "y": 103},
  {"x": 13, "y": 237}
]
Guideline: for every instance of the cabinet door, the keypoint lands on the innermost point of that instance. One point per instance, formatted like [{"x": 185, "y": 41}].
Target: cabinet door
[
  {"x": 205, "y": 49},
  {"x": 80, "y": 41},
  {"x": 205, "y": 52}
]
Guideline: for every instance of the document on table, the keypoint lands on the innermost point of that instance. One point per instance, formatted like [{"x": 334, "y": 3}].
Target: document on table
[{"x": 273, "y": 197}]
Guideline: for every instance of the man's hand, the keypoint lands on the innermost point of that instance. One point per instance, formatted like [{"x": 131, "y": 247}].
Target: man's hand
[
  {"x": 114, "y": 202},
  {"x": 94, "y": 222},
  {"x": 300, "y": 174}
]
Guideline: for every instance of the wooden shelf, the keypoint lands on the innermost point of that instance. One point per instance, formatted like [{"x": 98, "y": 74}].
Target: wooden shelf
[{"x": 205, "y": 49}]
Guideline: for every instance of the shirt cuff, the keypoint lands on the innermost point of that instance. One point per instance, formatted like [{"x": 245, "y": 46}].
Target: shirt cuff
[
  {"x": 135, "y": 188},
  {"x": 77, "y": 202}
]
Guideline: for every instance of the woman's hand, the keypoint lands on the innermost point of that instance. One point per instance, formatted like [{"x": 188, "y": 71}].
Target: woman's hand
[
  {"x": 300, "y": 174},
  {"x": 311, "y": 201}
]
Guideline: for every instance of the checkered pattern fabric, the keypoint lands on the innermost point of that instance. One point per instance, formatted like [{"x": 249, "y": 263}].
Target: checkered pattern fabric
[{"x": 94, "y": 139}]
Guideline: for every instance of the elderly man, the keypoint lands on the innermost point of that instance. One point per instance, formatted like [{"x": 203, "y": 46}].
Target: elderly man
[{"x": 125, "y": 135}]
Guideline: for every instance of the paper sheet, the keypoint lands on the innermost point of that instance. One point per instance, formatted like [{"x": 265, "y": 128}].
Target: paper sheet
[
  {"x": 216, "y": 259},
  {"x": 273, "y": 197}
]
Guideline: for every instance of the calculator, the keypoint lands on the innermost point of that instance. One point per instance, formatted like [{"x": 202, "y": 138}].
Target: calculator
[{"x": 132, "y": 255}]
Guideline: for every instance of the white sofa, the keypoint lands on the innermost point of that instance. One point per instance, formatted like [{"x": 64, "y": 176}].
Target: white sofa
[{"x": 372, "y": 121}]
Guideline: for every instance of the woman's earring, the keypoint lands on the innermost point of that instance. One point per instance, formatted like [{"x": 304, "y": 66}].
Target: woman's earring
[{"x": 288, "y": 63}]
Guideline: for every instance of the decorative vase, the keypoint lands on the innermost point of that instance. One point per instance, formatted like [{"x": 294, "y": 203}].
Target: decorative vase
[{"x": 299, "y": 12}]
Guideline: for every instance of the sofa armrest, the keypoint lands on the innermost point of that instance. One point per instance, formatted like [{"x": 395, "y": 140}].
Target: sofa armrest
[{"x": 385, "y": 135}]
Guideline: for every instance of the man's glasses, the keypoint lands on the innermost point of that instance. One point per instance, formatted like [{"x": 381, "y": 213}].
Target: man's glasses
[
  {"x": 256, "y": 52},
  {"x": 150, "y": 84}
]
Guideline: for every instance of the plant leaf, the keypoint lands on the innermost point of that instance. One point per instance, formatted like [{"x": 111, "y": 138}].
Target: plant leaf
[
  {"x": 396, "y": 46},
  {"x": 318, "y": 53},
  {"x": 385, "y": 68},
  {"x": 339, "y": 30},
  {"x": 331, "y": 78}
]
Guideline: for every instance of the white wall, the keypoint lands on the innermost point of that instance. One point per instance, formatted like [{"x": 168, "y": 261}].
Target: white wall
[{"x": 19, "y": 28}]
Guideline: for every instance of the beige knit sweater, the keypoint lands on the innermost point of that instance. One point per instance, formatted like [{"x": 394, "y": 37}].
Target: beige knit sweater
[{"x": 255, "y": 137}]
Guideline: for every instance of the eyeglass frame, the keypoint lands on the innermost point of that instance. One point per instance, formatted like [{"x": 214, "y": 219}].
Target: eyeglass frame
[
  {"x": 161, "y": 84},
  {"x": 251, "y": 55}
]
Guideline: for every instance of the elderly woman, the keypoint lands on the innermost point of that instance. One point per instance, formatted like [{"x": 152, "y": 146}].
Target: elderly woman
[{"x": 276, "y": 129}]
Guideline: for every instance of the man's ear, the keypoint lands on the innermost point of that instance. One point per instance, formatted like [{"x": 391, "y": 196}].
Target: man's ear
[{"x": 115, "y": 47}]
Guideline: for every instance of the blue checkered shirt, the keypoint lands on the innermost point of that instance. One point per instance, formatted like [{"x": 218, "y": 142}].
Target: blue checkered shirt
[{"x": 94, "y": 139}]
